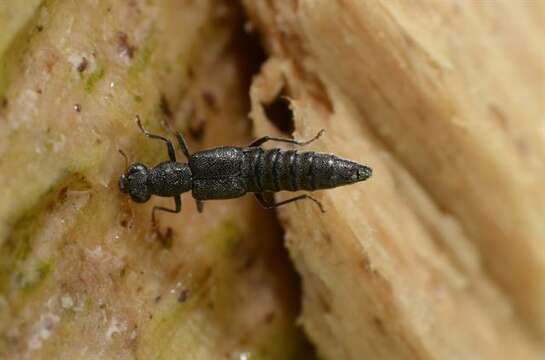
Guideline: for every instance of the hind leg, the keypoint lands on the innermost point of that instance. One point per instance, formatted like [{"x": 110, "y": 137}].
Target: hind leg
[
  {"x": 272, "y": 204},
  {"x": 200, "y": 205},
  {"x": 264, "y": 139}
]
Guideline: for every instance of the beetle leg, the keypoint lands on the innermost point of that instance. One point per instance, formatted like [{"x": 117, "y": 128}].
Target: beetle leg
[
  {"x": 170, "y": 148},
  {"x": 177, "y": 209},
  {"x": 183, "y": 145},
  {"x": 200, "y": 205},
  {"x": 264, "y": 139},
  {"x": 272, "y": 204}
]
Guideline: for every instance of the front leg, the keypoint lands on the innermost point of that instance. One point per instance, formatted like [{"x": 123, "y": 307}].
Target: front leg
[
  {"x": 183, "y": 145},
  {"x": 177, "y": 209},
  {"x": 170, "y": 148}
]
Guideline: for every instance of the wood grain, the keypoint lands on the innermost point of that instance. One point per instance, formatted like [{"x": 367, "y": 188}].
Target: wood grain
[{"x": 442, "y": 253}]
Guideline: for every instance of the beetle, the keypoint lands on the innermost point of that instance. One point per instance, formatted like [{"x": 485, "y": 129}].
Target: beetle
[{"x": 230, "y": 172}]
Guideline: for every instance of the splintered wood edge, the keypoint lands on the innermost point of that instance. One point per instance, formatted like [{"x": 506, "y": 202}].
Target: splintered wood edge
[{"x": 385, "y": 273}]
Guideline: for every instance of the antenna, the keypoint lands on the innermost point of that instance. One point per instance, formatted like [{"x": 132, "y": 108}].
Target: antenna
[{"x": 126, "y": 158}]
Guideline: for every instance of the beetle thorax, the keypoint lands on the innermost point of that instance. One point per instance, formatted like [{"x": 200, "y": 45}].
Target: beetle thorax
[{"x": 170, "y": 179}]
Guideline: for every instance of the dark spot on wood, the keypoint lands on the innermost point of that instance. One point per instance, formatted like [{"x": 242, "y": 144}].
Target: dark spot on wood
[
  {"x": 249, "y": 261},
  {"x": 190, "y": 73},
  {"x": 365, "y": 264},
  {"x": 61, "y": 196},
  {"x": 184, "y": 295},
  {"x": 83, "y": 65},
  {"x": 209, "y": 99},
  {"x": 139, "y": 289},
  {"x": 39, "y": 91},
  {"x": 164, "y": 106},
  {"x": 5, "y": 103},
  {"x": 18, "y": 278},
  {"x": 126, "y": 213},
  {"x": 77, "y": 107},
  {"x": 50, "y": 63},
  {"x": 498, "y": 115},
  {"x": 279, "y": 113},
  {"x": 327, "y": 239},
  {"x": 39, "y": 28},
  {"x": 523, "y": 146},
  {"x": 166, "y": 238},
  {"x": 124, "y": 46},
  {"x": 324, "y": 304},
  {"x": 157, "y": 299},
  {"x": 197, "y": 130},
  {"x": 269, "y": 318},
  {"x": 206, "y": 274},
  {"x": 50, "y": 206},
  {"x": 379, "y": 325}
]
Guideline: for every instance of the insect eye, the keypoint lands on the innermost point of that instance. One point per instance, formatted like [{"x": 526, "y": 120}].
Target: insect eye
[{"x": 136, "y": 168}]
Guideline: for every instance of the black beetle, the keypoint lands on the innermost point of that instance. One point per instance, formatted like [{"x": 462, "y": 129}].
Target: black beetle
[{"x": 229, "y": 172}]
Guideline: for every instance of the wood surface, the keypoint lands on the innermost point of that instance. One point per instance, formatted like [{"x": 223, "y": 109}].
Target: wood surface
[{"x": 441, "y": 255}]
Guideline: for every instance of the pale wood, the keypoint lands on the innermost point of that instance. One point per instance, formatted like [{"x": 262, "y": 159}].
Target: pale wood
[{"x": 441, "y": 255}]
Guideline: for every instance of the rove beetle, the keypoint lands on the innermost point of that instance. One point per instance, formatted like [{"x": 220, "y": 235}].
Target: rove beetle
[{"x": 229, "y": 172}]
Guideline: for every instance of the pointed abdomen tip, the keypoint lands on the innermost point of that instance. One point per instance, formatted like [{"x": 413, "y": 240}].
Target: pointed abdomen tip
[{"x": 364, "y": 172}]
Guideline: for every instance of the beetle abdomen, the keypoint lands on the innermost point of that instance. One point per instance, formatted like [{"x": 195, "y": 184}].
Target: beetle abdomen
[{"x": 276, "y": 170}]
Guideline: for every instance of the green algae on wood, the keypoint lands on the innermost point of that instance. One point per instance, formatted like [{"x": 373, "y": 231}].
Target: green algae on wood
[
  {"x": 18, "y": 268},
  {"x": 93, "y": 79},
  {"x": 213, "y": 309}
]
